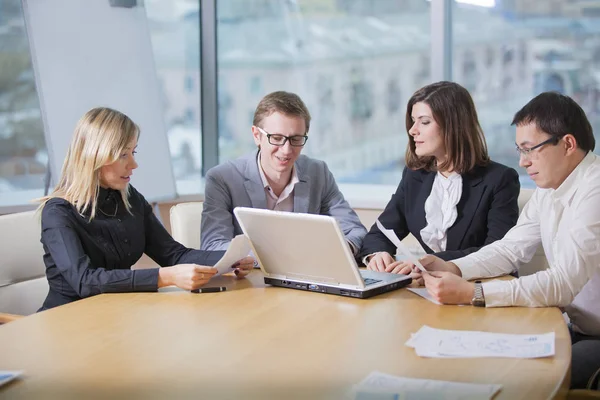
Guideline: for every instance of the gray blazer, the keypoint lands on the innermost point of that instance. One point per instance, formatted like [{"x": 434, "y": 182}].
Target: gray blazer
[{"x": 237, "y": 183}]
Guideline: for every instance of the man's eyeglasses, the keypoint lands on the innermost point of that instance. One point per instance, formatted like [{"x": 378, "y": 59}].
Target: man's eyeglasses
[
  {"x": 277, "y": 139},
  {"x": 526, "y": 153}
]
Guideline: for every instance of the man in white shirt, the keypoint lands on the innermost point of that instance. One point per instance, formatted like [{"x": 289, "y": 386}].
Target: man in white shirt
[
  {"x": 555, "y": 142},
  {"x": 275, "y": 176}
]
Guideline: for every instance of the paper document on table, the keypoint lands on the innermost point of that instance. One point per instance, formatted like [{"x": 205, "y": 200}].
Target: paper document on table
[
  {"x": 238, "y": 249},
  {"x": 424, "y": 294},
  {"x": 441, "y": 343},
  {"x": 391, "y": 235},
  {"x": 380, "y": 386}
]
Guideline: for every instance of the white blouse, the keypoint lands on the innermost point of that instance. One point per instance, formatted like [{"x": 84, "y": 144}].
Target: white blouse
[{"x": 440, "y": 210}]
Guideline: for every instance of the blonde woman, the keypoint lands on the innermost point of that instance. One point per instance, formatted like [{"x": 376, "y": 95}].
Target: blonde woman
[{"x": 95, "y": 225}]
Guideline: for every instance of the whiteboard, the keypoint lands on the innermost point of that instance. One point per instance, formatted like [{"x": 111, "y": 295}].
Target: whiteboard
[{"x": 87, "y": 54}]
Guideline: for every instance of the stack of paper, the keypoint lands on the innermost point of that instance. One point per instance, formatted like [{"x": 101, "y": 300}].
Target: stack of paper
[
  {"x": 379, "y": 386},
  {"x": 440, "y": 343}
]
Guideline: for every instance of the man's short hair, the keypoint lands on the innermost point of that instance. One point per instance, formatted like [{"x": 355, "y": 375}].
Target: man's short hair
[
  {"x": 286, "y": 103},
  {"x": 558, "y": 115}
]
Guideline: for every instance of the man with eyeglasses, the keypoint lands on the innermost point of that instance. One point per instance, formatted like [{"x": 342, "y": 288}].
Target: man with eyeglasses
[
  {"x": 274, "y": 176},
  {"x": 555, "y": 143}
]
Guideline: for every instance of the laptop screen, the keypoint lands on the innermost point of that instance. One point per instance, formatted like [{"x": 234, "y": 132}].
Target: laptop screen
[{"x": 300, "y": 246}]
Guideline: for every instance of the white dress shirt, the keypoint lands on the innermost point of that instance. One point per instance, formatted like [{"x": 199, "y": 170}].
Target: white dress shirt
[
  {"x": 566, "y": 221},
  {"x": 283, "y": 202},
  {"x": 440, "y": 210}
]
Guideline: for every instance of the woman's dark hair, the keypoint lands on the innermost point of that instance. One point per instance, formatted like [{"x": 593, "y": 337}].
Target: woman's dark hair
[{"x": 453, "y": 110}]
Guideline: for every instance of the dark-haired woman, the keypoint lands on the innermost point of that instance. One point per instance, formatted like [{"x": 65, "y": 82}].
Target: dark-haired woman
[{"x": 452, "y": 197}]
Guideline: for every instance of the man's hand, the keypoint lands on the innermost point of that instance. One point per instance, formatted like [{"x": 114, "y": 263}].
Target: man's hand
[
  {"x": 448, "y": 288},
  {"x": 433, "y": 263}
]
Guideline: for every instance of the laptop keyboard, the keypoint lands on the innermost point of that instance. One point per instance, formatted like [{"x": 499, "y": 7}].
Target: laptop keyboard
[{"x": 370, "y": 281}]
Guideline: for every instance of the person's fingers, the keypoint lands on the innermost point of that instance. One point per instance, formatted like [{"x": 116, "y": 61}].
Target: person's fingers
[
  {"x": 243, "y": 272},
  {"x": 205, "y": 270},
  {"x": 397, "y": 264},
  {"x": 400, "y": 269},
  {"x": 201, "y": 278},
  {"x": 426, "y": 260},
  {"x": 428, "y": 278},
  {"x": 371, "y": 266},
  {"x": 406, "y": 270},
  {"x": 438, "y": 274},
  {"x": 417, "y": 278},
  {"x": 431, "y": 283},
  {"x": 379, "y": 264},
  {"x": 246, "y": 266},
  {"x": 244, "y": 261},
  {"x": 396, "y": 270}
]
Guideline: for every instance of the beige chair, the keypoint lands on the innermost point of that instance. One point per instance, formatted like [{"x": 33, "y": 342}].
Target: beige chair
[
  {"x": 23, "y": 284},
  {"x": 185, "y": 223}
]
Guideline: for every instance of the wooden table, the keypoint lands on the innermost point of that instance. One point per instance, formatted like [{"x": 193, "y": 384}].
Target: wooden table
[{"x": 259, "y": 342}]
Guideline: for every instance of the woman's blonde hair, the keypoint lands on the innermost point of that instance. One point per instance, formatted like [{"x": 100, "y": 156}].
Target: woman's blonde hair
[{"x": 99, "y": 139}]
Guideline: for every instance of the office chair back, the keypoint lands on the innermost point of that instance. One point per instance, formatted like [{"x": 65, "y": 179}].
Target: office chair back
[
  {"x": 23, "y": 284},
  {"x": 185, "y": 223}
]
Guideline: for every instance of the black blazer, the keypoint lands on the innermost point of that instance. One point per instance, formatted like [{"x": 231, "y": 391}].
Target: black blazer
[{"x": 487, "y": 209}]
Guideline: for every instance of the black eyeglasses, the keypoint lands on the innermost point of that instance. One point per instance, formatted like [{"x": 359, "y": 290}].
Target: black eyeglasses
[
  {"x": 277, "y": 139},
  {"x": 526, "y": 153}
]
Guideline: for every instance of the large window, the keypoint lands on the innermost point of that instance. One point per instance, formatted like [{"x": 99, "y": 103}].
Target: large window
[
  {"x": 175, "y": 34},
  {"x": 527, "y": 47},
  {"x": 23, "y": 155},
  {"x": 355, "y": 63},
  {"x": 174, "y": 27}
]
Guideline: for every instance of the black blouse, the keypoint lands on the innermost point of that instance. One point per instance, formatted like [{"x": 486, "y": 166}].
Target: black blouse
[{"x": 85, "y": 258}]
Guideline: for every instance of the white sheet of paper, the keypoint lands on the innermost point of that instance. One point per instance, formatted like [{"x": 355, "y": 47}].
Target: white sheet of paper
[
  {"x": 441, "y": 343},
  {"x": 238, "y": 249},
  {"x": 391, "y": 235},
  {"x": 380, "y": 386},
  {"x": 7, "y": 376},
  {"x": 421, "y": 291},
  {"x": 424, "y": 294}
]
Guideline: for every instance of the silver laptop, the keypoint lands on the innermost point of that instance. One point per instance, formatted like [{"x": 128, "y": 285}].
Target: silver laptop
[{"x": 310, "y": 252}]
